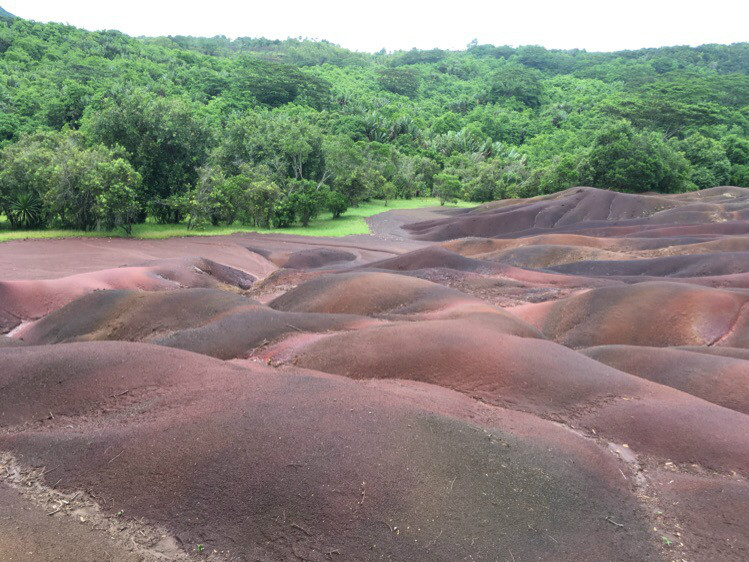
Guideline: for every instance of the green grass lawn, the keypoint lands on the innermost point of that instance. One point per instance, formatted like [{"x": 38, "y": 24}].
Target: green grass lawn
[{"x": 352, "y": 222}]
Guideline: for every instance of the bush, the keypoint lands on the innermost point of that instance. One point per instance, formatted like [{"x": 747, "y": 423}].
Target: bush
[
  {"x": 337, "y": 203},
  {"x": 53, "y": 177},
  {"x": 446, "y": 188}
]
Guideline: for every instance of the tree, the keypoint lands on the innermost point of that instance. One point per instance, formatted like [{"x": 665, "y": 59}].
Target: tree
[
  {"x": 498, "y": 176},
  {"x": 54, "y": 177},
  {"x": 672, "y": 108},
  {"x": 337, "y": 203},
  {"x": 308, "y": 199},
  {"x": 518, "y": 81},
  {"x": 207, "y": 202},
  {"x": 446, "y": 188},
  {"x": 350, "y": 170},
  {"x": 261, "y": 197},
  {"x": 117, "y": 201},
  {"x": 165, "y": 140},
  {"x": 275, "y": 84},
  {"x": 400, "y": 80},
  {"x": 737, "y": 152},
  {"x": 709, "y": 164},
  {"x": 26, "y": 174},
  {"x": 623, "y": 159},
  {"x": 288, "y": 146}
]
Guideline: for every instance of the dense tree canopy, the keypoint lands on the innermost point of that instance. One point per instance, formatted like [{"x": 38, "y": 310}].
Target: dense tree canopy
[{"x": 99, "y": 130}]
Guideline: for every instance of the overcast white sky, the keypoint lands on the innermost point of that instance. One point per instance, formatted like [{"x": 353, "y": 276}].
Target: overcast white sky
[{"x": 401, "y": 24}]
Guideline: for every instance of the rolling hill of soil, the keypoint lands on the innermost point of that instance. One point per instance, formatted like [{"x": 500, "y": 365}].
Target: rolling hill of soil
[{"x": 560, "y": 378}]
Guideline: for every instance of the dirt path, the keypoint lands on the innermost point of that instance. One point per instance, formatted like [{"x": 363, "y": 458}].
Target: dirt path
[
  {"x": 387, "y": 225},
  {"x": 27, "y": 533},
  {"x": 48, "y": 259}
]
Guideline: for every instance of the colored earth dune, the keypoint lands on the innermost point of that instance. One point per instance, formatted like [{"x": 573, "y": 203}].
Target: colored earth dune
[{"x": 558, "y": 378}]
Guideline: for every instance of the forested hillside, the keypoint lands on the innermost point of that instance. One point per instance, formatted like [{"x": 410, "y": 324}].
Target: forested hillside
[{"x": 101, "y": 130}]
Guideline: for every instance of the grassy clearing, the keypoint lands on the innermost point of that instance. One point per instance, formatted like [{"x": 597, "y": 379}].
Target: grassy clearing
[{"x": 352, "y": 222}]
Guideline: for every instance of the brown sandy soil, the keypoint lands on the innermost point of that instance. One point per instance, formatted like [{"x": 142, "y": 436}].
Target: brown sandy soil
[
  {"x": 28, "y": 534},
  {"x": 560, "y": 378},
  {"x": 720, "y": 380},
  {"x": 48, "y": 259}
]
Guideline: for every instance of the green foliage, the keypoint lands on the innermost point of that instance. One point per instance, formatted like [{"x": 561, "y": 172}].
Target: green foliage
[
  {"x": 275, "y": 84},
  {"x": 337, "y": 203},
  {"x": 165, "y": 140},
  {"x": 710, "y": 165},
  {"x": 308, "y": 199},
  {"x": 446, "y": 188},
  {"x": 99, "y": 130},
  {"x": 624, "y": 159},
  {"x": 402, "y": 81},
  {"x": 517, "y": 81},
  {"x": 53, "y": 178},
  {"x": 25, "y": 210}
]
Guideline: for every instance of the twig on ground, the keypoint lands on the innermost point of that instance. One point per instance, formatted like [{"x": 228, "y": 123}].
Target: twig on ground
[
  {"x": 302, "y": 529},
  {"x": 610, "y": 520},
  {"x": 117, "y": 455}
]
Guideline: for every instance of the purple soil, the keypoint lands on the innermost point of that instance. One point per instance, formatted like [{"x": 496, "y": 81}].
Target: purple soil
[
  {"x": 375, "y": 397},
  {"x": 543, "y": 378},
  {"x": 29, "y": 300},
  {"x": 258, "y": 463},
  {"x": 385, "y": 295},
  {"x": 720, "y": 380},
  {"x": 724, "y": 263},
  {"x": 735, "y": 352},
  {"x": 207, "y": 321},
  {"x": 433, "y": 256},
  {"x": 694, "y": 502},
  {"x": 318, "y": 257},
  {"x": 656, "y": 314},
  {"x": 584, "y": 207}
]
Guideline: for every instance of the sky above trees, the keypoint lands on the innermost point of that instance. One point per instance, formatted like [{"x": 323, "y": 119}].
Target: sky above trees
[{"x": 396, "y": 24}]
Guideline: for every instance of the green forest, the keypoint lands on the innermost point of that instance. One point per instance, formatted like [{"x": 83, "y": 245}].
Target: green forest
[{"x": 101, "y": 131}]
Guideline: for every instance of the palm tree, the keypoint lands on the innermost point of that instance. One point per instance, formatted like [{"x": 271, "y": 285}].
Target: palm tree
[{"x": 26, "y": 210}]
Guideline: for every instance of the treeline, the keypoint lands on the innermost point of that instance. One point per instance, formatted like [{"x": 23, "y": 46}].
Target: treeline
[{"x": 101, "y": 130}]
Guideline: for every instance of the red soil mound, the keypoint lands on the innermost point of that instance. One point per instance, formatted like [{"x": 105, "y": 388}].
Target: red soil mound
[
  {"x": 545, "y": 256},
  {"x": 208, "y": 321},
  {"x": 317, "y": 257},
  {"x": 656, "y": 314},
  {"x": 720, "y": 380},
  {"x": 466, "y": 434},
  {"x": 257, "y": 463},
  {"x": 697, "y": 265},
  {"x": 735, "y": 352},
  {"x": 380, "y": 294},
  {"x": 707, "y": 512},
  {"x": 430, "y": 257},
  {"x": 585, "y": 208},
  {"x": 29, "y": 300},
  {"x": 486, "y": 248},
  {"x": 544, "y": 378}
]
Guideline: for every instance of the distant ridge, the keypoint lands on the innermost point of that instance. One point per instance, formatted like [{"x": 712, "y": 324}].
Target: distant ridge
[{"x": 5, "y": 13}]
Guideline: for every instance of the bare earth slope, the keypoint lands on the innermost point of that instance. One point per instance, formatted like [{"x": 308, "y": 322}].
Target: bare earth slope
[{"x": 560, "y": 378}]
